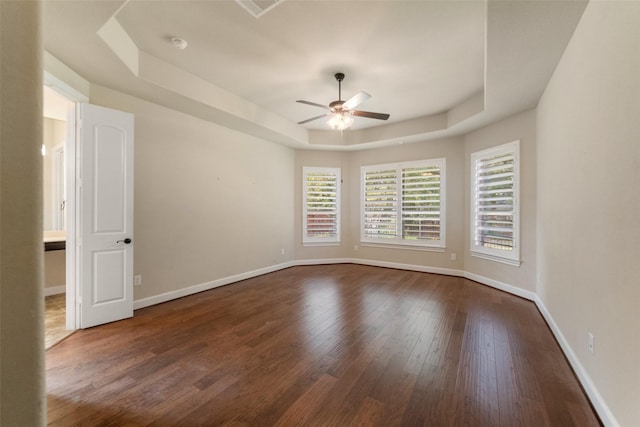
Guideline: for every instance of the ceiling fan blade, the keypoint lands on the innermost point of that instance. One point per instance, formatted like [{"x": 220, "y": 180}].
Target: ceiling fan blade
[
  {"x": 314, "y": 118},
  {"x": 355, "y": 100},
  {"x": 370, "y": 115},
  {"x": 314, "y": 104}
]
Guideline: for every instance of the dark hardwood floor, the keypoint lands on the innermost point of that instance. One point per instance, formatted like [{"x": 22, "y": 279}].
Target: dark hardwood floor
[{"x": 334, "y": 345}]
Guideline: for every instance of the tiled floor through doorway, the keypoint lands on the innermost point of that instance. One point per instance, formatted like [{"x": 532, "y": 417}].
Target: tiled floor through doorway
[{"x": 54, "y": 320}]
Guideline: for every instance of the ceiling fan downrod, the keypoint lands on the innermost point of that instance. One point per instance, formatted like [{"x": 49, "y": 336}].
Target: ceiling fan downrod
[{"x": 339, "y": 77}]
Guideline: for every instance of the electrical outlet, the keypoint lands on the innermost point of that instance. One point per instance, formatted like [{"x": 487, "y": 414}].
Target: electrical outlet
[
  {"x": 282, "y": 251},
  {"x": 137, "y": 280},
  {"x": 355, "y": 248},
  {"x": 454, "y": 257},
  {"x": 591, "y": 343}
]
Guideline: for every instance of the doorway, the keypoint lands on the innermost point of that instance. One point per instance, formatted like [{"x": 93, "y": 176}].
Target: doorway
[
  {"x": 55, "y": 110},
  {"x": 98, "y": 274}
]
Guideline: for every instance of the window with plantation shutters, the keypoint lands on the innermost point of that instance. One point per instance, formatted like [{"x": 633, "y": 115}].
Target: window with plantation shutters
[
  {"x": 403, "y": 203},
  {"x": 494, "y": 205},
  {"x": 380, "y": 212},
  {"x": 321, "y": 209}
]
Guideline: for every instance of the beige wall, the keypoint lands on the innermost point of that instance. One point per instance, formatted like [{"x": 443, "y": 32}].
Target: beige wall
[
  {"x": 350, "y": 162},
  {"x": 210, "y": 202},
  {"x": 22, "y": 401},
  {"x": 589, "y": 200},
  {"x": 333, "y": 159},
  {"x": 452, "y": 149},
  {"x": 55, "y": 268},
  {"x": 457, "y": 152},
  {"x": 53, "y": 134},
  {"x": 519, "y": 127},
  {"x": 48, "y": 136}
]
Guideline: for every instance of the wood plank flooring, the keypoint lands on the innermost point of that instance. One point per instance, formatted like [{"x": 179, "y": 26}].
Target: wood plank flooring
[{"x": 332, "y": 345}]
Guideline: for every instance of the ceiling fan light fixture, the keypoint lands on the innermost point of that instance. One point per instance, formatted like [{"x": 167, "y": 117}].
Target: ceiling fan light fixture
[
  {"x": 342, "y": 112},
  {"x": 340, "y": 120}
]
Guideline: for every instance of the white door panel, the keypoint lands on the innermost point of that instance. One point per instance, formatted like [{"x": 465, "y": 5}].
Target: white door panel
[
  {"x": 109, "y": 164},
  {"x": 105, "y": 199},
  {"x": 109, "y": 284}
]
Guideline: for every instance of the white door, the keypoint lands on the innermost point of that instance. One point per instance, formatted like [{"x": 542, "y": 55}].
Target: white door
[{"x": 104, "y": 200}]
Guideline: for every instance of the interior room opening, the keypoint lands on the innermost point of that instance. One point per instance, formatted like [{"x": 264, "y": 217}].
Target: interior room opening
[{"x": 55, "y": 110}]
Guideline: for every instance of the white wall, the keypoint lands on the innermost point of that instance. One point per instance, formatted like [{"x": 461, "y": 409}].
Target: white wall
[
  {"x": 589, "y": 202},
  {"x": 210, "y": 202}
]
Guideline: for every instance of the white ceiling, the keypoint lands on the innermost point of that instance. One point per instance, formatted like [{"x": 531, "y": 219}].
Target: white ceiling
[
  {"x": 437, "y": 67},
  {"x": 294, "y": 50}
]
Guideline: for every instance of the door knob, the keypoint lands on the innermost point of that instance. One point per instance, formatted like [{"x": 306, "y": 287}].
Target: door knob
[{"x": 127, "y": 241}]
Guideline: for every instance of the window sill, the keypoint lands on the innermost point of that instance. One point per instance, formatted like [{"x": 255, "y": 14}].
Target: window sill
[
  {"x": 320, "y": 243},
  {"x": 512, "y": 262},
  {"x": 404, "y": 247}
]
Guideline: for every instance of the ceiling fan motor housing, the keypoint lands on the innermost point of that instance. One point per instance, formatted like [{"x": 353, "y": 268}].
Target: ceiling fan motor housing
[{"x": 336, "y": 105}]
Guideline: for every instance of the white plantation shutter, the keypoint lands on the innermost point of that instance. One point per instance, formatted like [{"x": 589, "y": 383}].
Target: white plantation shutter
[
  {"x": 380, "y": 217},
  {"x": 495, "y": 218},
  {"x": 404, "y": 203},
  {"x": 321, "y": 213},
  {"x": 421, "y": 203}
]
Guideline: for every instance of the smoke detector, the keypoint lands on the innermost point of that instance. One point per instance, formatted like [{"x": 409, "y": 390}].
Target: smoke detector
[{"x": 179, "y": 43}]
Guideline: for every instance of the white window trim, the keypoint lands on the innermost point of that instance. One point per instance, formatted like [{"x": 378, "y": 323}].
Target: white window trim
[
  {"x": 320, "y": 241},
  {"x": 400, "y": 243},
  {"x": 503, "y": 260},
  {"x": 513, "y": 257},
  {"x": 407, "y": 247}
]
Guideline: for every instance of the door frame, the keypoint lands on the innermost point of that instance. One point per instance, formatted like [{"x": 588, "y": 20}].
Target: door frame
[
  {"x": 72, "y": 284},
  {"x": 58, "y": 193}
]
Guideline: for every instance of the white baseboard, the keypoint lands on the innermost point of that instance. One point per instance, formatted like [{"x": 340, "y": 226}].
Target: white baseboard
[
  {"x": 322, "y": 261},
  {"x": 410, "y": 267},
  {"x": 54, "y": 290},
  {"x": 168, "y": 296},
  {"x": 194, "y": 289},
  {"x": 522, "y": 293},
  {"x": 598, "y": 402},
  {"x": 606, "y": 416}
]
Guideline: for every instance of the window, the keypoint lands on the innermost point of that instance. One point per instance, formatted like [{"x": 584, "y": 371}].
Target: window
[
  {"x": 321, "y": 206},
  {"x": 403, "y": 204},
  {"x": 494, "y": 204}
]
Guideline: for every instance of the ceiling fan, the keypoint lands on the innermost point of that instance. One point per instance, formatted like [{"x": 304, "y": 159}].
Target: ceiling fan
[{"x": 341, "y": 112}]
